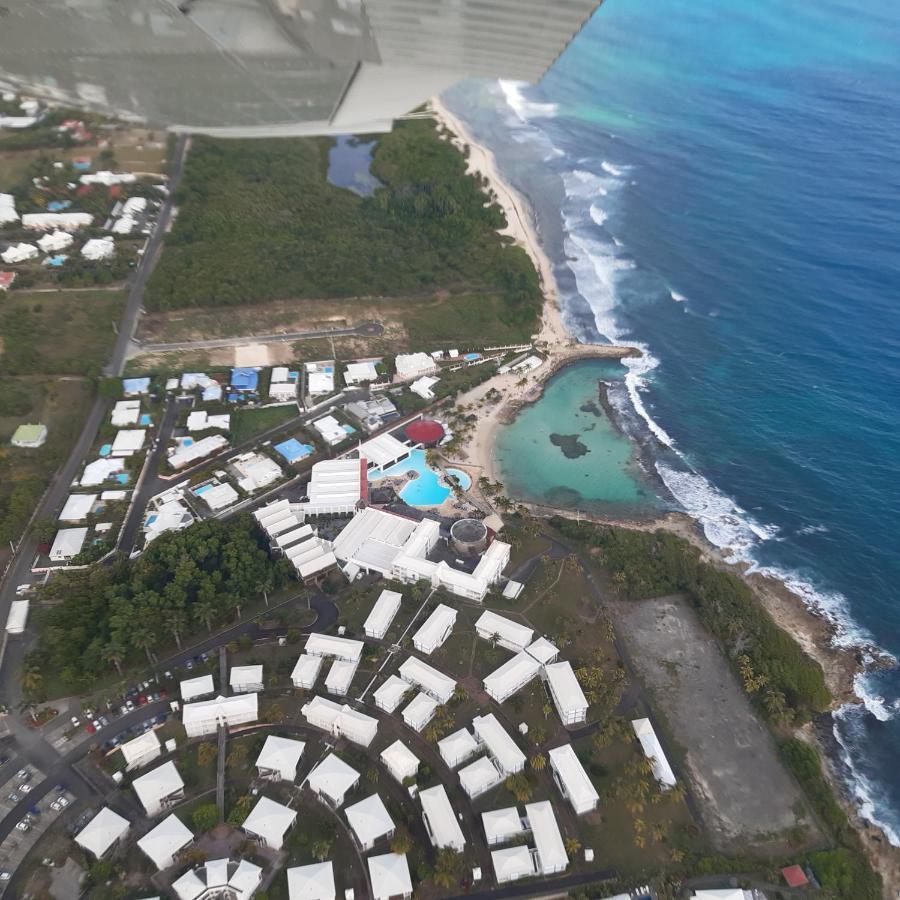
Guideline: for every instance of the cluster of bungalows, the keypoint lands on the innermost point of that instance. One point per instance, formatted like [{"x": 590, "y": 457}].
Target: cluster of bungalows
[
  {"x": 309, "y": 554},
  {"x": 345, "y": 655},
  {"x": 548, "y": 855}
]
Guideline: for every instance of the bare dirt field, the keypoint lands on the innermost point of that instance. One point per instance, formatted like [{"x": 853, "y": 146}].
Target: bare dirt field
[{"x": 744, "y": 791}]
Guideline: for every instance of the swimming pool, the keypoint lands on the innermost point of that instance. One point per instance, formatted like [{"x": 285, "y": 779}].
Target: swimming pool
[{"x": 427, "y": 488}]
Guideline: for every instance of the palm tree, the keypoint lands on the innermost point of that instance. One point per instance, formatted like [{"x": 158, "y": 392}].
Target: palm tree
[
  {"x": 520, "y": 787},
  {"x": 145, "y": 640},
  {"x": 372, "y": 774},
  {"x": 175, "y": 621},
  {"x": 321, "y": 849},
  {"x": 401, "y": 842},
  {"x": 114, "y": 652},
  {"x": 205, "y": 610},
  {"x": 572, "y": 845},
  {"x": 32, "y": 680},
  {"x": 538, "y": 762},
  {"x": 460, "y": 694}
]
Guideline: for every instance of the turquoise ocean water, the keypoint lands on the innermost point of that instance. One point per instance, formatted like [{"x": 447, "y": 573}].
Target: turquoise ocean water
[{"x": 720, "y": 185}]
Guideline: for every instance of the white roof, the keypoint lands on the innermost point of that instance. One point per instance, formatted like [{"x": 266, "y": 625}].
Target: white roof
[
  {"x": 77, "y": 507},
  {"x": 547, "y": 838},
  {"x": 128, "y": 440},
  {"x": 410, "y": 364},
  {"x": 219, "y": 496},
  {"x": 383, "y": 449},
  {"x": 498, "y": 742},
  {"x": 457, "y": 747},
  {"x": 67, "y": 543},
  {"x": 373, "y": 539},
  {"x": 18, "y": 616},
  {"x": 8, "y": 209},
  {"x": 382, "y": 614},
  {"x": 256, "y": 471},
  {"x": 653, "y": 750},
  {"x": 509, "y": 632},
  {"x": 571, "y": 773},
  {"x": 280, "y": 753},
  {"x": 244, "y": 879},
  {"x": 98, "y": 248},
  {"x": 423, "y": 386},
  {"x": 327, "y": 645},
  {"x": 389, "y": 694},
  {"x": 426, "y": 677},
  {"x": 479, "y": 776},
  {"x": 444, "y": 825},
  {"x": 286, "y": 538},
  {"x": 435, "y": 628},
  {"x": 136, "y": 749},
  {"x": 102, "y": 832},
  {"x": 270, "y": 820},
  {"x": 419, "y": 710},
  {"x": 68, "y": 221},
  {"x": 330, "y": 429},
  {"x": 125, "y": 412},
  {"x": 542, "y": 650},
  {"x": 565, "y": 687},
  {"x": 400, "y": 760},
  {"x": 511, "y": 863},
  {"x": 188, "y": 453},
  {"x": 157, "y": 784},
  {"x": 389, "y": 875},
  {"x": 223, "y": 709},
  {"x": 197, "y": 687},
  {"x": 369, "y": 820},
  {"x": 164, "y": 841},
  {"x": 58, "y": 240},
  {"x": 320, "y": 382},
  {"x": 244, "y": 676},
  {"x": 722, "y": 894},
  {"x": 113, "y": 495},
  {"x": 332, "y": 777},
  {"x": 339, "y": 676},
  {"x": 108, "y": 178},
  {"x": 19, "y": 253},
  {"x": 330, "y": 716},
  {"x": 360, "y": 371},
  {"x": 313, "y": 882},
  {"x": 99, "y": 470},
  {"x": 307, "y": 669},
  {"x": 502, "y": 824},
  {"x": 514, "y": 674}
]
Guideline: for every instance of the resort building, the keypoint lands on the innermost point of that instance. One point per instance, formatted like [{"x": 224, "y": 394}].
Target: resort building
[
  {"x": 370, "y": 821},
  {"x": 653, "y": 750},
  {"x": 456, "y": 748},
  {"x": 543, "y": 651},
  {"x": 372, "y": 540},
  {"x": 511, "y": 677},
  {"x": 391, "y": 693},
  {"x": 206, "y": 716},
  {"x": 254, "y": 471},
  {"x": 572, "y": 780},
  {"x": 193, "y": 688},
  {"x": 312, "y": 882},
  {"x": 166, "y": 512},
  {"x": 77, "y": 507},
  {"x": 435, "y": 630},
  {"x": 382, "y": 615},
  {"x": 306, "y": 671},
  {"x": 319, "y": 379},
  {"x": 162, "y": 843},
  {"x": 279, "y": 758},
  {"x": 219, "y": 878},
  {"x": 419, "y": 711},
  {"x": 383, "y": 451},
  {"x": 269, "y": 822},
  {"x": 246, "y": 679},
  {"x": 360, "y": 372},
  {"x": 568, "y": 698},
  {"x": 428, "y": 679},
  {"x": 336, "y": 486},
  {"x": 332, "y": 779},
  {"x": 67, "y": 544},
  {"x": 338, "y": 647},
  {"x": 100, "y": 470},
  {"x": 141, "y": 751},
  {"x": 412, "y": 365},
  {"x": 102, "y": 833},
  {"x": 501, "y": 747},
  {"x": 389, "y": 875},
  {"x": 479, "y": 777},
  {"x": 187, "y": 453},
  {"x": 200, "y": 420},
  {"x": 440, "y": 820},
  {"x": 128, "y": 441},
  {"x": 424, "y": 386},
  {"x": 332, "y": 432},
  {"x": 503, "y": 631},
  {"x": 340, "y": 721},
  {"x": 217, "y": 496},
  {"x": 512, "y": 863},
  {"x": 400, "y": 761},
  {"x": 159, "y": 789},
  {"x": 340, "y": 676},
  {"x": 62, "y": 221},
  {"x": 126, "y": 412},
  {"x": 550, "y": 852},
  {"x": 502, "y": 825}
]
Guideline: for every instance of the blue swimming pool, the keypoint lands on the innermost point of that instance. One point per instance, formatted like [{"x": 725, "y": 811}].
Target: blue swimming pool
[{"x": 427, "y": 488}]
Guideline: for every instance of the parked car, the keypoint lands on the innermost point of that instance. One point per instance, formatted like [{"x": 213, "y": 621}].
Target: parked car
[
  {"x": 104, "y": 721},
  {"x": 4, "y": 875},
  {"x": 63, "y": 802},
  {"x": 25, "y": 788},
  {"x": 23, "y": 773},
  {"x": 23, "y": 825},
  {"x": 75, "y": 721},
  {"x": 14, "y": 797}
]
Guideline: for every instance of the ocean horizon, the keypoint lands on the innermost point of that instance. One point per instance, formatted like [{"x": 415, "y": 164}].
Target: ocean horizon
[{"x": 721, "y": 191}]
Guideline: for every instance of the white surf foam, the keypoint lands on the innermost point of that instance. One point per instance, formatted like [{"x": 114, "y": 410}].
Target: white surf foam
[
  {"x": 524, "y": 108},
  {"x": 618, "y": 171},
  {"x": 598, "y": 215},
  {"x": 678, "y": 298}
]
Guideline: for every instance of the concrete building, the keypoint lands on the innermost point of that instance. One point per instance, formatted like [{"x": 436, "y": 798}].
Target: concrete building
[
  {"x": 440, "y": 819},
  {"x": 103, "y": 833},
  {"x": 505, "y": 632},
  {"x": 435, "y": 629},
  {"x": 159, "y": 789},
  {"x": 246, "y": 679},
  {"x": 420, "y": 711},
  {"x": 77, "y": 507},
  {"x": 206, "y": 716},
  {"x": 312, "y": 882},
  {"x": 389, "y": 875},
  {"x": 502, "y": 825},
  {"x": 268, "y": 822},
  {"x": 370, "y": 821},
  {"x": 332, "y": 779},
  {"x": 67, "y": 544},
  {"x": 165, "y": 841},
  {"x": 141, "y": 751},
  {"x": 382, "y": 614},
  {"x": 219, "y": 879},
  {"x": 566, "y": 692},
  {"x": 400, "y": 761},
  {"x": 572, "y": 780},
  {"x": 646, "y": 735},
  {"x": 340, "y": 721}
]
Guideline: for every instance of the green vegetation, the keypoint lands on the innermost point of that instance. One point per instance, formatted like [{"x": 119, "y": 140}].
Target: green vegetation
[
  {"x": 58, "y": 334},
  {"x": 106, "y": 617},
  {"x": 786, "y": 684},
  {"x": 246, "y": 424},
  {"x": 259, "y": 221},
  {"x": 804, "y": 763}
]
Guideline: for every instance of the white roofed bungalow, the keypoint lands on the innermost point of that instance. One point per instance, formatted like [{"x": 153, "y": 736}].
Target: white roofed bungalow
[
  {"x": 306, "y": 671},
  {"x": 159, "y": 789},
  {"x": 382, "y": 614},
  {"x": 390, "y": 877},
  {"x": 141, "y": 751},
  {"x": 340, "y": 721},
  {"x": 456, "y": 748},
  {"x": 420, "y": 711},
  {"x": 653, "y": 750},
  {"x": 568, "y": 697},
  {"x": 411, "y": 365},
  {"x": 193, "y": 688},
  {"x": 219, "y": 878},
  {"x": 331, "y": 780},
  {"x": 340, "y": 676},
  {"x": 512, "y": 863},
  {"x": 358, "y": 372},
  {"x": 400, "y": 761},
  {"x": 428, "y": 679},
  {"x": 440, "y": 820},
  {"x": 511, "y": 677},
  {"x": 370, "y": 821},
  {"x": 246, "y": 679},
  {"x": 67, "y": 543},
  {"x": 206, "y": 716},
  {"x": 279, "y": 758},
  {"x": 572, "y": 780},
  {"x": 102, "y": 833},
  {"x": 331, "y": 430},
  {"x": 269, "y": 822},
  {"x": 126, "y": 412},
  {"x": 479, "y": 777},
  {"x": 390, "y": 694},
  {"x": 502, "y": 825},
  {"x": 502, "y": 748},
  {"x": 341, "y": 648},
  {"x": 77, "y": 507},
  {"x": 503, "y": 631},
  {"x": 551, "y": 856},
  {"x": 543, "y": 651},
  {"x": 435, "y": 629},
  {"x": 165, "y": 841},
  {"x": 312, "y": 882},
  {"x": 128, "y": 441}
]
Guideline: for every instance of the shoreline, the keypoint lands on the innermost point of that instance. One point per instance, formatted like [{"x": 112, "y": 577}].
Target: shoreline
[{"x": 813, "y": 631}]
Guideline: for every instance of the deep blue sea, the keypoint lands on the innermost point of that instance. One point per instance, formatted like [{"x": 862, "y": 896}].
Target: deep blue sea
[{"x": 720, "y": 184}]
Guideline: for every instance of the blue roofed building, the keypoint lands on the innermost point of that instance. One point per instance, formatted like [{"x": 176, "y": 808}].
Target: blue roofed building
[
  {"x": 244, "y": 379},
  {"x": 293, "y": 451}
]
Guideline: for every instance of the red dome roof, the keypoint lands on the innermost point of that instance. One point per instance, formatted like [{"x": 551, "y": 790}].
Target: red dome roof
[{"x": 425, "y": 431}]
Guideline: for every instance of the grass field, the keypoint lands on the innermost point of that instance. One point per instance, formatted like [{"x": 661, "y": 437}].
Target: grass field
[
  {"x": 248, "y": 423},
  {"x": 61, "y": 333}
]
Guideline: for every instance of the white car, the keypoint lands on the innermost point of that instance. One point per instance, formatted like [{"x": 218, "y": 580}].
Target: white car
[
  {"x": 24, "y": 788},
  {"x": 23, "y": 826},
  {"x": 75, "y": 721}
]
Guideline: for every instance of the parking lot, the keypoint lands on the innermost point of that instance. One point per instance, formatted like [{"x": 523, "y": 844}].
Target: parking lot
[{"x": 18, "y": 787}]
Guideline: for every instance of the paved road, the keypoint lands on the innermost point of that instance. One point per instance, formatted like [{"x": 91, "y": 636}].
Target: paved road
[{"x": 367, "y": 329}]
